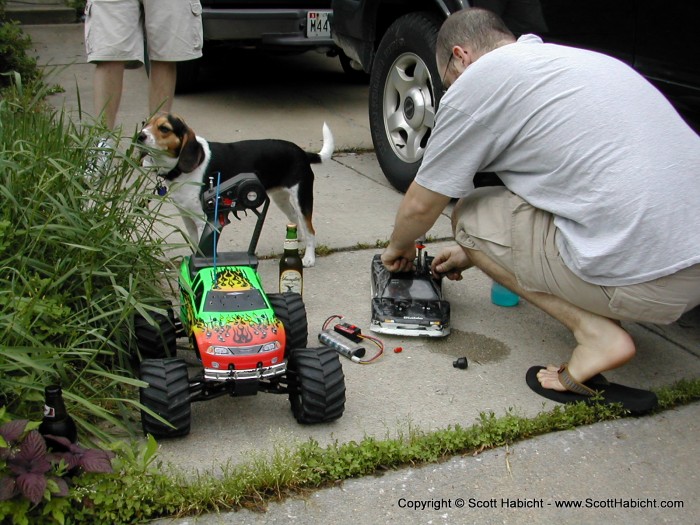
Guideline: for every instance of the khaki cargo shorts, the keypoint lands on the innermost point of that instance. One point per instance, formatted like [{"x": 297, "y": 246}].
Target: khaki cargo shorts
[
  {"x": 115, "y": 30},
  {"x": 522, "y": 239}
]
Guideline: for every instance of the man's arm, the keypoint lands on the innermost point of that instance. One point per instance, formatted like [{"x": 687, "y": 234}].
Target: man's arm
[{"x": 417, "y": 213}]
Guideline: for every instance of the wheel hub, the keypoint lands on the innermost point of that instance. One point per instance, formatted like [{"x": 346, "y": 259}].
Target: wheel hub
[
  {"x": 414, "y": 108},
  {"x": 408, "y": 107}
]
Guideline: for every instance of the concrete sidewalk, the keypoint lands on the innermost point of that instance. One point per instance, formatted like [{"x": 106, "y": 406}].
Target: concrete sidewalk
[
  {"x": 653, "y": 458},
  {"x": 641, "y": 471}
]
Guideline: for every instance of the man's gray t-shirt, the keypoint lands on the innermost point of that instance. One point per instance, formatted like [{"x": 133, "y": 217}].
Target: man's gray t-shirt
[{"x": 583, "y": 136}]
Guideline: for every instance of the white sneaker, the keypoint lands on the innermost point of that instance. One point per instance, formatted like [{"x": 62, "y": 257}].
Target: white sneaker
[{"x": 101, "y": 157}]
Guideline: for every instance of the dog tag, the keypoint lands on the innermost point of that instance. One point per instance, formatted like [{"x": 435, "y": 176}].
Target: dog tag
[{"x": 161, "y": 189}]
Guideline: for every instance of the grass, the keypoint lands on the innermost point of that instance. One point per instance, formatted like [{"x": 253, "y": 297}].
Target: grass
[{"x": 79, "y": 257}]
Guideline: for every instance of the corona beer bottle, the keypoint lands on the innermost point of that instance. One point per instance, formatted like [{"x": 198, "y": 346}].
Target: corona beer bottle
[{"x": 291, "y": 267}]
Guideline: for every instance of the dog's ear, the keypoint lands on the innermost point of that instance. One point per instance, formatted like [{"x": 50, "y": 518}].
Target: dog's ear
[{"x": 191, "y": 152}]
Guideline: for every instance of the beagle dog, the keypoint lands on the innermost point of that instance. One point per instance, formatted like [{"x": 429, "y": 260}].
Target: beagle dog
[{"x": 187, "y": 162}]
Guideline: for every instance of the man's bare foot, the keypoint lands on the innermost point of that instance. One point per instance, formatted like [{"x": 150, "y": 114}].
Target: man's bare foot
[
  {"x": 609, "y": 348},
  {"x": 549, "y": 378},
  {"x": 602, "y": 343}
]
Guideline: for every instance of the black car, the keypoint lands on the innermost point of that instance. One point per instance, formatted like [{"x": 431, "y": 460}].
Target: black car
[
  {"x": 279, "y": 26},
  {"x": 394, "y": 41}
]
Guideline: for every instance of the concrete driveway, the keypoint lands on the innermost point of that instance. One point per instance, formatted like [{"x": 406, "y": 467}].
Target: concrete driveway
[{"x": 290, "y": 98}]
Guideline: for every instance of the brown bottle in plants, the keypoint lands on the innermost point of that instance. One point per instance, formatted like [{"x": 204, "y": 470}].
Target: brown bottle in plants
[
  {"x": 57, "y": 421},
  {"x": 291, "y": 267}
]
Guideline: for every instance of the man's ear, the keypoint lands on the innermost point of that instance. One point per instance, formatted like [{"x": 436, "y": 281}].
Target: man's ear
[
  {"x": 191, "y": 152},
  {"x": 462, "y": 55}
]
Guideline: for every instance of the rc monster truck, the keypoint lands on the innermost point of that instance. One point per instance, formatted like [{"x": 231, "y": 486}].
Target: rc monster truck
[{"x": 244, "y": 340}]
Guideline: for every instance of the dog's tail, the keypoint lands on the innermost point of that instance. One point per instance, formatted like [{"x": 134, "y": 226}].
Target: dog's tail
[{"x": 326, "y": 150}]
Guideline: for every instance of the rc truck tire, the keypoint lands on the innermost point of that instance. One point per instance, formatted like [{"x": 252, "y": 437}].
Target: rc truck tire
[
  {"x": 168, "y": 395},
  {"x": 290, "y": 310},
  {"x": 159, "y": 341},
  {"x": 316, "y": 385},
  {"x": 404, "y": 90}
]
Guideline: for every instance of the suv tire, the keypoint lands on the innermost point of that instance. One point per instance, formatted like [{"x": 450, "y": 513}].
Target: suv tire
[{"x": 404, "y": 91}]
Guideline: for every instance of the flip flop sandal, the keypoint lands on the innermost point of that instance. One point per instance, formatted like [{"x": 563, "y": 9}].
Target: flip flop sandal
[{"x": 633, "y": 399}]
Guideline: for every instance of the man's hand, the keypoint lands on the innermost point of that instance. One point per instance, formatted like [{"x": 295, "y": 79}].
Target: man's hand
[
  {"x": 418, "y": 211},
  {"x": 451, "y": 262},
  {"x": 399, "y": 261}
]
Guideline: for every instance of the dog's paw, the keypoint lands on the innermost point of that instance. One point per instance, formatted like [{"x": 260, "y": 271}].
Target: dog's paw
[{"x": 308, "y": 261}]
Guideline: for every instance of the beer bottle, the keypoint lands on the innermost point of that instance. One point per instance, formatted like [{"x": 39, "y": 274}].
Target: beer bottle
[
  {"x": 56, "y": 420},
  {"x": 291, "y": 267}
]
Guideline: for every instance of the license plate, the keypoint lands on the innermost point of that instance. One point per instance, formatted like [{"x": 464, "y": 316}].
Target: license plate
[{"x": 318, "y": 24}]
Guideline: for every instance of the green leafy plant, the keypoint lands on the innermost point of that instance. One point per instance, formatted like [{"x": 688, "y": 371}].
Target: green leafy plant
[
  {"x": 27, "y": 470},
  {"x": 31, "y": 473},
  {"x": 78, "y": 5},
  {"x": 138, "y": 490},
  {"x": 14, "y": 45}
]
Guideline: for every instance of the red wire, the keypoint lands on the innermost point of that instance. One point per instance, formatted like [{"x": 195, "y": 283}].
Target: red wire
[
  {"x": 327, "y": 321},
  {"x": 379, "y": 345}
]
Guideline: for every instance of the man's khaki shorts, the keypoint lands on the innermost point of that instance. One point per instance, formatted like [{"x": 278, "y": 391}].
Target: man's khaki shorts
[
  {"x": 115, "y": 30},
  {"x": 522, "y": 239}
]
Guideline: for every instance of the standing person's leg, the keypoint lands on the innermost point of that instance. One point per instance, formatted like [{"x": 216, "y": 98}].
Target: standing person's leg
[
  {"x": 113, "y": 37},
  {"x": 108, "y": 81},
  {"x": 173, "y": 34},
  {"x": 161, "y": 88}
]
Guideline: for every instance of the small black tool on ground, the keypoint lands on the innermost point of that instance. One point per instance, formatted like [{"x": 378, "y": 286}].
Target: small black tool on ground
[{"x": 461, "y": 363}]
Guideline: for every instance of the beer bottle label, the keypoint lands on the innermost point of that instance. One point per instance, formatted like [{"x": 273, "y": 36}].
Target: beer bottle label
[
  {"x": 49, "y": 411},
  {"x": 291, "y": 244},
  {"x": 290, "y": 281}
]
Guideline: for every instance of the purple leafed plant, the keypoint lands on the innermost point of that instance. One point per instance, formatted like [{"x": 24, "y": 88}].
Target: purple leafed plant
[{"x": 28, "y": 467}]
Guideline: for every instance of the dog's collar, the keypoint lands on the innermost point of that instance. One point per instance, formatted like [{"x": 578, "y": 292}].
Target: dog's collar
[{"x": 160, "y": 189}]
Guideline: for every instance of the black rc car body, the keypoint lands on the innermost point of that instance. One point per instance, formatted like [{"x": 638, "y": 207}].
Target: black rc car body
[{"x": 408, "y": 303}]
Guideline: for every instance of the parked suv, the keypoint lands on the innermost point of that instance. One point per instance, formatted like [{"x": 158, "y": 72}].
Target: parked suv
[
  {"x": 394, "y": 41},
  {"x": 283, "y": 26}
]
